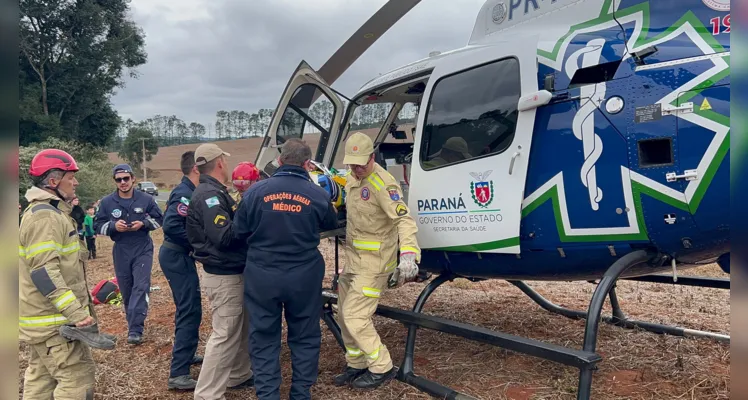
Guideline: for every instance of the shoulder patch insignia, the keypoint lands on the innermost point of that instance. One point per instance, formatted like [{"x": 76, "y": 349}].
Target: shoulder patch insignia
[
  {"x": 401, "y": 210},
  {"x": 184, "y": 201},
  {"x": 219, "y": 220},
  {"x": 393, "y": 192},
  {"x": 182, "y": 209},
  {"x": 365, "y": 193},
  {"x": 213, "y": 201}
]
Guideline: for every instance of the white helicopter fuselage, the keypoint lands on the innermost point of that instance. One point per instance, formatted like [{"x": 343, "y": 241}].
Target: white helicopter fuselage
[{"x": 565, "y": 135}]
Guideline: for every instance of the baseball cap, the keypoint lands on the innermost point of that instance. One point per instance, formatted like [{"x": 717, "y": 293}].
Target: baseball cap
[
  {"x": 358, "y": 148},
  {"x": 208, "y": 152},
  {"x": 121, "y": 168}
]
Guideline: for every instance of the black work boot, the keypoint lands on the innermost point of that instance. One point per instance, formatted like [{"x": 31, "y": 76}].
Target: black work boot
[
  {"x": 348, "y": 376},
  {"x": 184, "y": 382},
  {"x": 87, "y": 334},
  {"x": 134, "y": 339},
  {"x": 109, "y": 336},
  {"x": 370, "y": 380}
]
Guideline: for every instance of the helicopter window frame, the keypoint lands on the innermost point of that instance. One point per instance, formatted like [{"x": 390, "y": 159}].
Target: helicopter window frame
[
  {"x": 426, "y": 136},
  {"x": 342, "y": 135},
  {"x": 306, "y": 118}
]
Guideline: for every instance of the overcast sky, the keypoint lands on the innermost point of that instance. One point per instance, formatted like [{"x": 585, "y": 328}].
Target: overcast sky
[{"x": 209, "y": 55}]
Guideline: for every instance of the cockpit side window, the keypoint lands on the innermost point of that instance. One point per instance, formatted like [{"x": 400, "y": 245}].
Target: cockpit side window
[
  {"x": 310, "y": 112},
  {"x": 471, "y": 114}
]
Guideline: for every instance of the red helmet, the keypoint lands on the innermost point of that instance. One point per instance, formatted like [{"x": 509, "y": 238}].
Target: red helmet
[
  {"x": 244, "y": 175},
  {"x": 49, "y": 159}
]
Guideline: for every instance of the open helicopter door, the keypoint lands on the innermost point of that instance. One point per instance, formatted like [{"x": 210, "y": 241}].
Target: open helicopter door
[
  {"x": 472, "y": 146},
  {"x": 298, "y": 113}
]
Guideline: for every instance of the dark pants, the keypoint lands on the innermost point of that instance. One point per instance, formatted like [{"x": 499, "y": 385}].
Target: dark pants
[
  {"x": 179, "y": 269},
  {"x": 91, "y": 245},
  {"x": 132, "y": 267},
  {"x": 268, "y": 292}
]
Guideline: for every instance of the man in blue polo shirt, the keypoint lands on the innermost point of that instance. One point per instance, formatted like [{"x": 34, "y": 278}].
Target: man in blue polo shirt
[{"x": 128, "y": 216}]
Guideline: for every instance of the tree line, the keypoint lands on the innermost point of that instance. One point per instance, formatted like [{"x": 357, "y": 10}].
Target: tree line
[
  {"x": 74, "y": 54},
  {"x": 170, "y": 130},
  {"x": 72, "y": 57}
]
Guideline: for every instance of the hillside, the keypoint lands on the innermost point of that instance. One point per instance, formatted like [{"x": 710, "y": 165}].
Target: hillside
[{"x": 165, "y": 163}]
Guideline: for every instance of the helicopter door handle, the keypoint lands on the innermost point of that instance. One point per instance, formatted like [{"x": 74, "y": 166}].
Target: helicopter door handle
[
  {"x": 511, "y": 164},
  {"x": 688, "y": 175}
]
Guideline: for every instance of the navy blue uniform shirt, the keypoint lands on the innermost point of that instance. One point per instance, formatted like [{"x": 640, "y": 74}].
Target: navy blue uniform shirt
[
  {"x": 210, "y": 229},
  {"x": 281, "y": 217},
  {"x": 140, "y": 207},
  {"x": 176, "y": 211}
]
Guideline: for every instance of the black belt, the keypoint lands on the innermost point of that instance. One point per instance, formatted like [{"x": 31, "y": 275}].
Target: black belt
[{"x": 176, "y": 247}]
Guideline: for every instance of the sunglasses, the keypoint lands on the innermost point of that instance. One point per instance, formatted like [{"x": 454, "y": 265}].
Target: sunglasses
[{"x": 122, "y": 179}]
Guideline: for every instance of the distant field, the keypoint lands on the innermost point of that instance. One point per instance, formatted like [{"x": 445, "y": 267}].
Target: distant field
[{"x": 166, "y": 162}]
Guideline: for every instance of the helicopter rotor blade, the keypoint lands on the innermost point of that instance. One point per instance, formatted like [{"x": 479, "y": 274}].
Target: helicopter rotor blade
[{"x": 364, "y": 37}]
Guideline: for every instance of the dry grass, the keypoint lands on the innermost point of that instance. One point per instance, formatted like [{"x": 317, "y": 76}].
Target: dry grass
[{"x": 636, "y": 365}]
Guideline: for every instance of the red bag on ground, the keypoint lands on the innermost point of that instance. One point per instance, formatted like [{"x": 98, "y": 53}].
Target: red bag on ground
[{"x": 106, "y": 292}]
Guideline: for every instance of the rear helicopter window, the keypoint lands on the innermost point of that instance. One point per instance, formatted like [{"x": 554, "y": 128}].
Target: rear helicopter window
[{"x": 471, "y": 114}]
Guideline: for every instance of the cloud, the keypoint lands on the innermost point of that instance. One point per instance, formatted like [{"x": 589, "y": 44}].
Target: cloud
[{"x": 211, "y": 55}]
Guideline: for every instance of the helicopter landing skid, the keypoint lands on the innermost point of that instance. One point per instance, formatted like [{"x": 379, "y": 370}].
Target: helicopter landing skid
[
  {"x": 585, "y": 360},
  {"x": 621, "y": 320}
]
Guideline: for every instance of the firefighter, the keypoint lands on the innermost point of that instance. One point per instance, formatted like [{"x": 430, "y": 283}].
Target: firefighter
[
  {"x": 210, "y": 232},
  {"x": 128, "y": 216},
  {"x": 281, "y": 220},
  {"x": 175, "y": 258},
  {"x": 244, "y": 175},
  {"x": 376, "y": 218},
  {"x": 53, "y": 294}
]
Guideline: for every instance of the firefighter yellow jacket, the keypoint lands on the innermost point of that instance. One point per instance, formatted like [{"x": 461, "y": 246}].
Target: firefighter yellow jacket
[
  {"x": 376, "y": 218},
  {"x": 236, "y": 195},
  {"x": 52, "y": 283}
]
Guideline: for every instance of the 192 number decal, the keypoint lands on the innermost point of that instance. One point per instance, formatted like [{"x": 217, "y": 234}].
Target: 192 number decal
[{"x": 720, "y": 25}]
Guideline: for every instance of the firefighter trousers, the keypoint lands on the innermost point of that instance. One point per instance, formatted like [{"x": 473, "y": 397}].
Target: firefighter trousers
[
  {"x": 59, "y": 369},
  {"x": 133, "y": 263},
  {"x": 358, "y": 297},
  {"x": 179, "y": 269}
]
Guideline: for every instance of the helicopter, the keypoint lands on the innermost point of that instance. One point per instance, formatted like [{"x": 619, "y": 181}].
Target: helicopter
[{"x": 568, "y": 140}]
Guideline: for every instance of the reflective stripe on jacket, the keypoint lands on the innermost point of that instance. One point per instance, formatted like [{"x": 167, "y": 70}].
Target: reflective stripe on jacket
[
  {"x": 52, "y": 283},
  {"x": 377, "y": 218}
]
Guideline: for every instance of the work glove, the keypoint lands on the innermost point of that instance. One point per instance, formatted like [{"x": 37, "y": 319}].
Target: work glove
[{"x": 406, "y": 271}]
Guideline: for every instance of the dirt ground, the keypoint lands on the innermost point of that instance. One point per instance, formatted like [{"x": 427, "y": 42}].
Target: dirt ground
[{"x": 636, "y": 365}]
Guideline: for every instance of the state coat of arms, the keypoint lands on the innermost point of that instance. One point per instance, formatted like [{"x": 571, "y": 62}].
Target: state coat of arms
[{"x": 481, "y": 188}]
